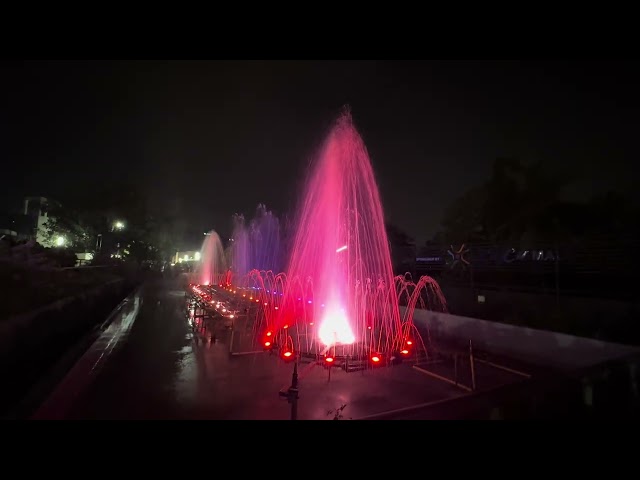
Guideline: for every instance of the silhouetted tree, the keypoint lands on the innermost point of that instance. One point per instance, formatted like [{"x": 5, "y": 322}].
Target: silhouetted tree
[
  {"x": 403, "y": 249},
  {"x": 516, "y": 201}
]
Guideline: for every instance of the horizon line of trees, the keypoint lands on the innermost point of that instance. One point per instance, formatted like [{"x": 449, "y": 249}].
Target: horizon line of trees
[{"x": 524, "y": 204}]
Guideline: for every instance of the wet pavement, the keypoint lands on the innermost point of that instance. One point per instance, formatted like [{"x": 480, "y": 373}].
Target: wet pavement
[{"x": 161, "y": 369}]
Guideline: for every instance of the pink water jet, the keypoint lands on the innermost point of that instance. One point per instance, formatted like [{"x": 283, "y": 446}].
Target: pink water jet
[
  {"x": 211, "y": 268},
  {"x": 341, "y": 249}
]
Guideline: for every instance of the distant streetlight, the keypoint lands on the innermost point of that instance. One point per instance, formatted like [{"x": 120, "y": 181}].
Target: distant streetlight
[
  {"x": 119, "y": 225},
  {"x": 60, "y": 241}
]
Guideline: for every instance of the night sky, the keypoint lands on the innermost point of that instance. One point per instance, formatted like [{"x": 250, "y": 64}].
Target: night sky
[{"x": 214, "y": 138}]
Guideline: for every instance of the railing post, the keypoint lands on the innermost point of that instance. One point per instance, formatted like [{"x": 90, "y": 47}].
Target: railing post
[
  {"x": 292, "y": 393},
  {"x": 473, "y": 367}
]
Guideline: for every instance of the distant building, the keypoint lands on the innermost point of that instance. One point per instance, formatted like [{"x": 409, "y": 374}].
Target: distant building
[
  {"x": 186, "y": 256},
  {"x": 18, "y": 225},
  {"x": 36, "y": 209}
]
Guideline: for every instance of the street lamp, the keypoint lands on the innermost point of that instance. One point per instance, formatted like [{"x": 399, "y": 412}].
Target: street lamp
[
  {"x": 118, "y": 225},
  {"x": 60, "y": 241}
]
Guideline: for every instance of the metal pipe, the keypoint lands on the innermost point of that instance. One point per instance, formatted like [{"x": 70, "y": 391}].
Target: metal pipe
[
  {"x": 502, "y": 367},
  {"x": 293, "y": 392},
  {"x": 231, "y": 339},
  {"x": 412, "y": 408},
  {"x": 473, "y": 367},
  {"x": 455, "y": 368},
  {"x": 439, "y": 377}
]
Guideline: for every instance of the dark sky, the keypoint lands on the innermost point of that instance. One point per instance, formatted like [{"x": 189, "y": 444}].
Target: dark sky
[{"x": 218, "y": 137}]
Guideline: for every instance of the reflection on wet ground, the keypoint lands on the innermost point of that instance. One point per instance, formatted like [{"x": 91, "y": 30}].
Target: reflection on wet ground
[{"x": 166, "y": 371}]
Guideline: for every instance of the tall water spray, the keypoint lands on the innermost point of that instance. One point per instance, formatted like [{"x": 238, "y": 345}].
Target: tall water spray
[
  {"x": 341, "y": 250},
  {"x": 211, "y": 267}
]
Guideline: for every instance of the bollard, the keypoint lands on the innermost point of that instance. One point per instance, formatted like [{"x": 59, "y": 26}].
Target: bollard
[{"x": 292, "y": 393}]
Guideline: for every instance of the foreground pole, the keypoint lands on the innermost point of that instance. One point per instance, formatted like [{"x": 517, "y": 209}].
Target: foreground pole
[{"x": 292, "y": 393}]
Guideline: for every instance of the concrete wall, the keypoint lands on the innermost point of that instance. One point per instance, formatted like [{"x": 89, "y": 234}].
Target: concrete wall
[
  {"x": 32, "y": 342},
  {"x": 556, "y": 350}
]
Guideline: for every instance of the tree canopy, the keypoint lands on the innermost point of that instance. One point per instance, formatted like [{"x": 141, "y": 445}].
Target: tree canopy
[
  {"x": 524, "y": 202},
  {"x": 151, "y": 230}
]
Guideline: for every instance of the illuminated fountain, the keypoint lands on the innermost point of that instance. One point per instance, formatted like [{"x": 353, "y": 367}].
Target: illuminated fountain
[
  {"x": 211, "y": 268},
  {"x": 340, "y": 291},
  {"x": 338, "y": 299},
  {"x": 255, "y": 246}
]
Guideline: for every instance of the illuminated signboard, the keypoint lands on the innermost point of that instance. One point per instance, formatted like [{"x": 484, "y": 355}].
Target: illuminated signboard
[{"x": 463, "y": 256}]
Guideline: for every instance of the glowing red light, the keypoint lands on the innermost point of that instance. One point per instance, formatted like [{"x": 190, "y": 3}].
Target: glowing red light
[
  {"x": 405, "y": 352},
  {"x": 265, "y": 303},
  {"x": 409, "y": 342},
  {"x": 369, "y": 328},
  {"x": 268, "y": 334},
  {"x": 285, "y": 327},
  {"x": 328, "y": 359},
  {"x": 287, "y": 354},
  {"x": 267, "y": 344},
  {"x": 311, "y": 323},
  {"x": 375, "y": 359}
]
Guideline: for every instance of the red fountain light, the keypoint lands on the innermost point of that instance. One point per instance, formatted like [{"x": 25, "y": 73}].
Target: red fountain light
[{"x": 287, "y": 354}]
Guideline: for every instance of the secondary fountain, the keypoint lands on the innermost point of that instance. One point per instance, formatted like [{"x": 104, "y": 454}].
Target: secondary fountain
[
  {"x": 255, "y": 246},
  {"x": 211, "y": 268}
]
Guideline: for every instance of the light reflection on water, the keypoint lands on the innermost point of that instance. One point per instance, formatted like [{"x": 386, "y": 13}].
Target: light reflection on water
[{"x": 185, "y": 383}]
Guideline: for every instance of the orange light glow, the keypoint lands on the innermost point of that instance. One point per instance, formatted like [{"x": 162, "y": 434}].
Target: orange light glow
[
  {"x": 405, "y": 352},
  {"x": 329, "y": 359},
  {"x": 409, "y": 342},
  {"x": 375, "y": 359},
  {"x": 285, "y": 327},
  {"x": 267, "y": 344},
  {"x": 268, "y": 334},
  {"x": 287, "y": 354}
]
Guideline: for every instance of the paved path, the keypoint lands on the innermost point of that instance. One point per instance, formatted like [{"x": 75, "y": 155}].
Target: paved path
[{"x": 161, "y": 370}]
